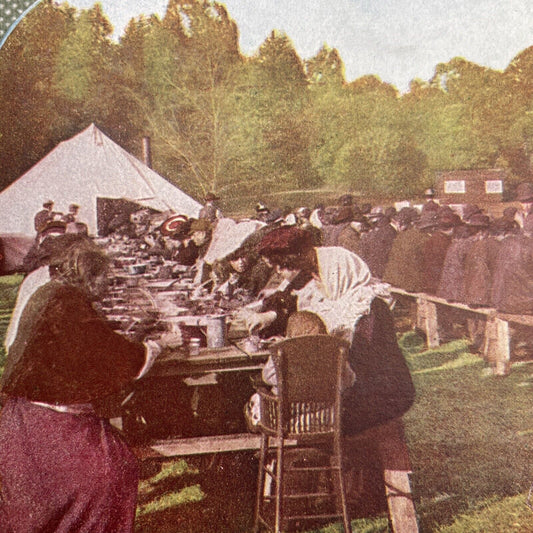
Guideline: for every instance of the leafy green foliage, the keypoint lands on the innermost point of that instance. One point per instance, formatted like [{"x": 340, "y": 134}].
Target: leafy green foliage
[{"x": 243, "y": 126}]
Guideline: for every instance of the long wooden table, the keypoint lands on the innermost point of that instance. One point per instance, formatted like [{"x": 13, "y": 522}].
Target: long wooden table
[
  {"x": 226, "y": 359},
  {"x": 234, "y": 359}
]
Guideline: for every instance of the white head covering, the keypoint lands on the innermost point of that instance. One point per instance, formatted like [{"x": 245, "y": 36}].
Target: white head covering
[
  {"x": 344, "y": 292},
  {"x": 228, "y": 236},
  {"x": 35, "y": 279}
]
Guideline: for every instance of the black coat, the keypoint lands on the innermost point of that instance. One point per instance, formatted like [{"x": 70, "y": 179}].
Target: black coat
[{"x": 383, "y": 387}]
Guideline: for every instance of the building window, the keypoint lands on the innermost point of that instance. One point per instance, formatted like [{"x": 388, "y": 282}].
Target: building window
[
  {"x": 455, "y": 187},
  {"x": 493, "y": 186}
]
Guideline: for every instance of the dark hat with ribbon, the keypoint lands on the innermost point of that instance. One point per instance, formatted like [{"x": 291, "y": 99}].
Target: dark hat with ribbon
[
  {"x": 503, "y": 226},
  {"x": 510, "y": 212},
  {"x": 54, "y": 227},
  {"x": 447, "y": 218},
  {"x": 345, "y": 199},
  {"x": 175, "y": 224},
  {"x": 428, "y": 220},
  {"x": 407, "y": 215}
]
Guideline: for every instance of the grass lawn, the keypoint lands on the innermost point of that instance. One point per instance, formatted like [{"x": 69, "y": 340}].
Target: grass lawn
[{"x": 470, "y": 437}]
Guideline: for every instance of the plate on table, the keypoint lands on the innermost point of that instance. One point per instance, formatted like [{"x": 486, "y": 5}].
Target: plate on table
[{"x": 158, "y": 284}]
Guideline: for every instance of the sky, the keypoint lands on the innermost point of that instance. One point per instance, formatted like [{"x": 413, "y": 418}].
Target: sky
[{"x": 398, "y": 40}]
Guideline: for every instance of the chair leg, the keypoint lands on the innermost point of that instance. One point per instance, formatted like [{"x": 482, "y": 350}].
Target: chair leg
[
  {"x": 260, "y": 483},
  {"x": 345, "y": 515},
  {"x": 342, "y": 488},
  {"x": 279, "y": 488}
]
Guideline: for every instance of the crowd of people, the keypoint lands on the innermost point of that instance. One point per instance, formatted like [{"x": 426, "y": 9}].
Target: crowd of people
[{"x": 335, "y": 263}]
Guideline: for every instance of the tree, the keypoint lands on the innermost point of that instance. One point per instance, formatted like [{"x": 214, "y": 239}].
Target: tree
[
  {"x": 85, "y": 74},
  {"x": 28, "y": 109},
  {"x": 190, "y": 60},
  {"x": 326, "y": 68},
  {"x": 485, "y": 99},
  {"x": 279, "y": 98}
]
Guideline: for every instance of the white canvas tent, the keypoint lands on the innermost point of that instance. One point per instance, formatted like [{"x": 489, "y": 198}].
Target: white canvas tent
[{"x": 80, "y": 170}]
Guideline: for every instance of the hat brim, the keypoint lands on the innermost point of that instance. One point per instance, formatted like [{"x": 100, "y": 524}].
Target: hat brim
[{"x": 173, "y": 225}]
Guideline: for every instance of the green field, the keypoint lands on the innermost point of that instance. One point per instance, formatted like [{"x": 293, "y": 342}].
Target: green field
[{"x": 470, "y": 437}]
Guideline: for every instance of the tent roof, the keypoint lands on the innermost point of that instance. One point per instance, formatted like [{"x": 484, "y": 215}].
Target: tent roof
[{"x": 87, "y": 166}]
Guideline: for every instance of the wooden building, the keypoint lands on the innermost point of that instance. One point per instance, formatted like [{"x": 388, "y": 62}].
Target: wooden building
[{"x": 478, "y": 186}]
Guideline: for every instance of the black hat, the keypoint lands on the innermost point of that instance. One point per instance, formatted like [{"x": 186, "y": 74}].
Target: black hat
[
  {"x": 503, "y": 225},
  {"x": 510, "y": 212},
  {"x": 478, "y": 220},
  {"x": 469, "y": 210},
  {"x": 345, "y": 199},
  {"x": 428, "y": 220},
  {"x": 447, "y": 217},
  {"x": 429, "y": 193},
  {"x": 54, "y": 227},
  {"x": 407, "y": 215},
  {"x": 524, "y": 192},
  {"x": 211, "y": 197}
]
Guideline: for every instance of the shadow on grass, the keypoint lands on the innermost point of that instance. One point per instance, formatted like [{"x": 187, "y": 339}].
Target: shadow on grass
[{"x": 208, "y": 494}]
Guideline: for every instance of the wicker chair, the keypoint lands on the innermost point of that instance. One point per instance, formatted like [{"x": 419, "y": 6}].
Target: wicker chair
[{"x": 300, "y": 457}]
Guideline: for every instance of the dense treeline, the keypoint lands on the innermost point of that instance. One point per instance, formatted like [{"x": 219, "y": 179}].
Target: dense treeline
[{"x": 232, "y": 124}]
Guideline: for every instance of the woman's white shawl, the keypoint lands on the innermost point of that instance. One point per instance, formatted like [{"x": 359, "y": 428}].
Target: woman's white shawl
[{"x": 344, "y": 291}]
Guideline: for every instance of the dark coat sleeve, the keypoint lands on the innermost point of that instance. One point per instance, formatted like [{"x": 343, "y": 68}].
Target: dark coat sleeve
[
  {"x": 383, "y": 387},
  {"x": 65, "y": 353}
]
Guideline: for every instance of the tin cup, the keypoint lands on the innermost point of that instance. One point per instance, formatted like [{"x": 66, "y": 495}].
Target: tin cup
[{"x": 194, "y": 346}]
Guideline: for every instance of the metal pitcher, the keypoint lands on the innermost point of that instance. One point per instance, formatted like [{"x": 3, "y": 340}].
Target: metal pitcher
[{"x": 216, "y": 331}]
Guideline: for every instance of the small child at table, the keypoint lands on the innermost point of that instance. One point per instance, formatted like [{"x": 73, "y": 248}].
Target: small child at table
[{"x": 299, "y": 324}]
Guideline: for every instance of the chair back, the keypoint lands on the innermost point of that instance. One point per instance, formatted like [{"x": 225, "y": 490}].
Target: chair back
[{"x": 309, "y": 372}]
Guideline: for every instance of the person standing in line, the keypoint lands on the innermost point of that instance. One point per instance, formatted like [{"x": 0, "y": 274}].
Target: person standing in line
[
  {"x": 375, "y": 245},
  {"x": 405, "y": 265},
  {"x": 524, "y": 194},
  {"x": 440, "y": 230},
  {"x": 430, "y": 205}
]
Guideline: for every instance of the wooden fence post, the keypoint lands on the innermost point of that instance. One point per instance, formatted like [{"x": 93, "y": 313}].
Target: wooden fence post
[
  {"x": 427, "y": 320},
  {"x": 497, "y": 345}
]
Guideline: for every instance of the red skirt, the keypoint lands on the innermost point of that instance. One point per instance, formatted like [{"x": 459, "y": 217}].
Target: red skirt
[{"x": 63, "y": 472}]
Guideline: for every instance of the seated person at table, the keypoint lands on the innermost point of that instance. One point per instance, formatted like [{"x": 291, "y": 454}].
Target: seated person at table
[
  {"x": 340, "y": 290},
  {"x": 299, "y": 324},
  {"x": 166, "y": 240},
  {"x": 194, "y": 246},
  {"x": 241, "y": 270},
  {"x": 61, "y": 465}
]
